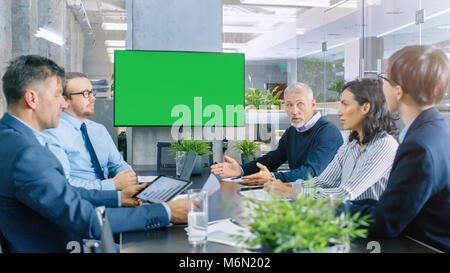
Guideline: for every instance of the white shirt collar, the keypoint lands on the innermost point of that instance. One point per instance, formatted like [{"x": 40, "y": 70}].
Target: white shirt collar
[
  {"x": 402, "y": 135},
  {"x": 41, "y": 137},
  {"x": 311, "y": 122}
]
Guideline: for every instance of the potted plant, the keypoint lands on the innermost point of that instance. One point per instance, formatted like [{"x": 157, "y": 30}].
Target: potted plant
[
  {"x": 247, "y": 150},
  {"x": 180, "y": 149},
  {"x": 273, "y": 98},
  {"x": 306, "y": 224},
  {"x": 254, "y": 98}
]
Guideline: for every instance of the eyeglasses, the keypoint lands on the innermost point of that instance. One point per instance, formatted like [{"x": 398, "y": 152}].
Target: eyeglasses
[
  {"x": 383, "y": 77},
  {"x": 86, "y": 93}
]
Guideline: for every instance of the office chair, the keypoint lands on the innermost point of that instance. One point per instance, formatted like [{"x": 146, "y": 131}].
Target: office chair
[
  {"x": 106, "y": 244},
  {"x": 164, "y": 161}
]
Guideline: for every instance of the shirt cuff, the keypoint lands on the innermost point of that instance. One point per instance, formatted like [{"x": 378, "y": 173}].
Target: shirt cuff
[
  {"x": 167, "y": 210},
  {"x": 242, "y": 172},
  {"x": 119, "y": 199},
  {"x": 108, "y": 185}
]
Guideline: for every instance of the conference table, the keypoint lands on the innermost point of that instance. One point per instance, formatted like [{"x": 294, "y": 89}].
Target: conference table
[{"x": 173, "y": 238}]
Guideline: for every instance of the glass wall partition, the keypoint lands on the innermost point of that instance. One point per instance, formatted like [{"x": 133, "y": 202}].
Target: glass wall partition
[{"x": 326, "y": 43}]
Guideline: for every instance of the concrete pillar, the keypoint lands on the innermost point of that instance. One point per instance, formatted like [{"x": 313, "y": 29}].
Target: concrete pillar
[
  {"x": 189, "y": 25},
  {"x": 351, "y": 60},
  {"x": 24, "y": 26},
  {"x": 75, "y": 45},
  {"x": 5, "y": 45},
  {"x": 373, "y": 55},
  {"x": 52, "y": 16},
  {"x": 291, "y": 71}
]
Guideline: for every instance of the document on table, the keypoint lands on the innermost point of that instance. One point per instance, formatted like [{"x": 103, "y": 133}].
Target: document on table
[
  {"x": 225, "y": 231},
  {"x": 259, "y": 194},
  {"x": 143, "y": 179}
]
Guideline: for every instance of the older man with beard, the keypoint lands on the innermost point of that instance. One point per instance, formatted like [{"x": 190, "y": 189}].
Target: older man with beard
[{"x": 308, "y": 145}]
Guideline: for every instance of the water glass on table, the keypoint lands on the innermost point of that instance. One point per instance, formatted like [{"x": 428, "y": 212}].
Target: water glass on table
[{"x": 197, "y": 216}]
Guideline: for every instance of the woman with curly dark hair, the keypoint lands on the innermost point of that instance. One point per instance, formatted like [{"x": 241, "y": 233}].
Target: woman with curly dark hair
[{"x": 361, "y": 167}]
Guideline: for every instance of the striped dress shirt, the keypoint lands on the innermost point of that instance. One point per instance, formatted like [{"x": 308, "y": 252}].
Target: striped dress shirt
[{"x": 355, "y": 174}]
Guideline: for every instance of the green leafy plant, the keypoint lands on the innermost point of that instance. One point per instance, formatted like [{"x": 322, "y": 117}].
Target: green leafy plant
[
  {"x": 336, "y": 85},
  {"x": 306, "y": 224},
  {"x": 246, "y": 147},
  {"x": 112, "y": 83},
  {"x": 198, "y": 146},
  {"x": 254, "y": 97},
  {"x": 273, "y": 98},
  {"x": 267, "y": 98}
]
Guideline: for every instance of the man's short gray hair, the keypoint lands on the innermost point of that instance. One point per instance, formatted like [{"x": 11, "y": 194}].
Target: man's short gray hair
[{"x": 299, "y": 87}]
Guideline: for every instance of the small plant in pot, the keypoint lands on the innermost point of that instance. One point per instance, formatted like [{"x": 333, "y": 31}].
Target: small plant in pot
[
  {"x": 180, "y": 150},
  {"x": 305, "y": 224},
  {"x": 247, "y": 150},
  {"x": 273, "y": 99}
]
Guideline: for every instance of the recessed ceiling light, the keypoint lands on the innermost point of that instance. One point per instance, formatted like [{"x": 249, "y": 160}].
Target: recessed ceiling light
[
  {"x": 242, "y": 29},
  {"x": 301, "y": 3},
  {"x": 49, "y": 36},
  {"x": 114, "y": 26},
  {"x": 300, "y": 30},
  {"x": 115, "y": 43},
  {"x": 243, "y": 17}
]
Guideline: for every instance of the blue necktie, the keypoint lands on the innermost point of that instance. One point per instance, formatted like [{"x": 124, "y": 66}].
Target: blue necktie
[{"x": 94, "y": 159}]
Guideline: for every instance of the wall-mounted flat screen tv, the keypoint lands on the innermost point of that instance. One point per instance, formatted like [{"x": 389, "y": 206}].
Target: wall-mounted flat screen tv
[{"x": 172, "y": 88}]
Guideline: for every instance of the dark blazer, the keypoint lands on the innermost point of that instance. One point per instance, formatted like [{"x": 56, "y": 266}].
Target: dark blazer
[
  {"x": 416, "y": 201},
  {"x": 40, "y": 211}
]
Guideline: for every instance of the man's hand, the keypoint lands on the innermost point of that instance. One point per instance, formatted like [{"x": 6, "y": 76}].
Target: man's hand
[
  {"x": 178, "y": 209},
  {"x": 281, "y": 189},
  {"x": 124, "y": 179},
  {"x": 230, "y": 168},
  {"x": 129, "y": 192},
  {"x": 258, "y": 178}
]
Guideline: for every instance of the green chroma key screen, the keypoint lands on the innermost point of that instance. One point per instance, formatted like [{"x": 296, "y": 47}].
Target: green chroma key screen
[{"x": 168, "y": 88}]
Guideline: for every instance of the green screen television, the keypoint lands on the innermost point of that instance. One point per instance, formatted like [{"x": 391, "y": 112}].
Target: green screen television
[{"x": 172, "y": 88}]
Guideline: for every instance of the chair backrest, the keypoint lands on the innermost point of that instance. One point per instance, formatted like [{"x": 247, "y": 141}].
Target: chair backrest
[
  {"x": 188, "y": 166},
  {"x": 106, "y": 244},
  {"x": 164, "y": 161}
]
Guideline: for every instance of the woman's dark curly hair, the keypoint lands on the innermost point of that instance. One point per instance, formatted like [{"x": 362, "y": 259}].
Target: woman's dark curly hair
[{"x": 378, "y": 118}]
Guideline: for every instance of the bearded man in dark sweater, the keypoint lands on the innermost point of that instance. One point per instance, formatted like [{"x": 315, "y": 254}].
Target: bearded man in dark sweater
[{"x": 308, "y": 145}]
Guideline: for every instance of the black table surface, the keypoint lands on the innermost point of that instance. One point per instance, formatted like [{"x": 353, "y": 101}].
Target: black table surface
[{"x": 173, "y": 238}]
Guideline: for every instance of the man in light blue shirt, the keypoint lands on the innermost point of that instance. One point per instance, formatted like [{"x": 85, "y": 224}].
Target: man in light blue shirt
[{"x": 88, "y": 157}]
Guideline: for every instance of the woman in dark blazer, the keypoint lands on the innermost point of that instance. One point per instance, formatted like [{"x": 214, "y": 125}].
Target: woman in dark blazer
[{"x": 416, "y": 202}]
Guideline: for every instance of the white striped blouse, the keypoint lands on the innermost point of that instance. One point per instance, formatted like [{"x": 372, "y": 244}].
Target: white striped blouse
[{"x": 356, "y": 175}]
